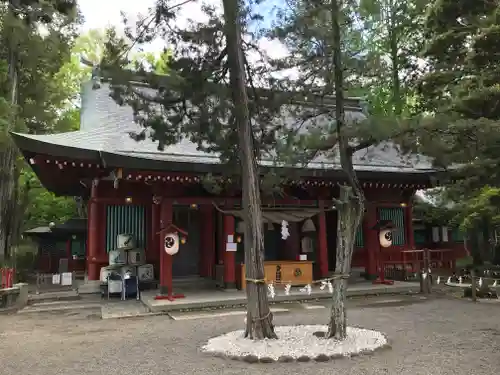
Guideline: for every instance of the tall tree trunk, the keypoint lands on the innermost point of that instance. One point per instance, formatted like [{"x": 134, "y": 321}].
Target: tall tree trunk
[
  {"x": 259, "y": 318},
  {"x": 348, "y": 218},
  {"x": 397, "y": 100},
  {"x": 350, "y": 205},
  {"x": 8, "y": 184}
]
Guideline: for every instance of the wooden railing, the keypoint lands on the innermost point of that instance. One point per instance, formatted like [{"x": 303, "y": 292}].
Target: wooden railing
[{"x": 399, "y": 265}]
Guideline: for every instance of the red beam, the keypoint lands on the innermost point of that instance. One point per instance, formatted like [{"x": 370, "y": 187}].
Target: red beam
[{"x": 201, "y": 201}]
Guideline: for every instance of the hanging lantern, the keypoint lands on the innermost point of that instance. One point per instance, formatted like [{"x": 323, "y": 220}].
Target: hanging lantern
[
  {"x": 385, "y": 237},
  {"x": 171, "y": 243},
  {"x": 308, "y": 226},
  {"x": 385, "y": 230}
]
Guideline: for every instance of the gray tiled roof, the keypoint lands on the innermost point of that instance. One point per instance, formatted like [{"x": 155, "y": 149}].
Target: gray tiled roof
[{"x": 105, "y": 127}]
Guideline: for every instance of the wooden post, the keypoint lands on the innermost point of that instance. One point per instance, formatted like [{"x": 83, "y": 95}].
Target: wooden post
[
  {"x": 153, "y": 255},
  {"x": 93, "y": 236},
  {"x": 371, "y": 241},
  {"x": 322, "y": 242},
  {"x": 165, "y": 259},
  {"x": 410, "y": 235},
  {"x": 207, "y": 258},
  {"x": 473, "y": 284},
  {"x": 425, "y": 276},
  {"x": 229, "y": 257}
]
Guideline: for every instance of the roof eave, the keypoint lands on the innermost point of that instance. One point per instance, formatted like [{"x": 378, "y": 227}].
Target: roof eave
[
  {"x": 113, "y": 160},
  {"x": 29, "y": 145}
]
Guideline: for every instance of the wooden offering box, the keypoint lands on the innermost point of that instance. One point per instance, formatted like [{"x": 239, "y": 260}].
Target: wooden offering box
[{"x": 284, "y": 272}]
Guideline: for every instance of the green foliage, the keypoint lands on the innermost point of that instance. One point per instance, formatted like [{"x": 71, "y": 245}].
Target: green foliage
[
  {"x": 485, "y": 207},
  {"x": 38, "y": 37},
  {"x": 40, "y": 55},
  {"x": 393, "y": 37},
  {"x": 461, "y": 89},
  {"x": 43, "y": 206}
]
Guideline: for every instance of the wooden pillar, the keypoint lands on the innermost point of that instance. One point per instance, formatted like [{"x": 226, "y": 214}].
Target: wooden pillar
[
  {"x": 372, "y": 243},
  {"x": 207, "y": 256},
  {"x": 292, "y": 243},
  {"x": 322, "y": 242},
  {"x": 229, "y": 256},
  {"x": 410, "y": 235},
  {"x": 221, "y": 242},
  {"x": 153, "y": 255},
  {"x": 68, "y": 255},
  {"x": 103, "y": 254},
  {"x": 165, "y": 259},
  {"x": 94, "y": 224}
]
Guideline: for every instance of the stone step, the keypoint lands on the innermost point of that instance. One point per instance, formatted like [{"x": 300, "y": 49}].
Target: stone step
[
  {"x": 195, "y": 282},
  {"x": 217, "y": 314},
  {"x": 61, "y": 306},
  {"x": 67, "y": 295},
  {"x": 124, "y": 309}
]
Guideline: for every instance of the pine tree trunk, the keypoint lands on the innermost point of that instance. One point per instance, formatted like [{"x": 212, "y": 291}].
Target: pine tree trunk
[
  {"x": 348, "y": 218},
  {"x": 350, "y": 206},
  {"x": 259, "y": 318}
]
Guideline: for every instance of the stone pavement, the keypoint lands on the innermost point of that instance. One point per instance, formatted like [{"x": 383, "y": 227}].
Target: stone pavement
[
  {"x": 432, "y": 337},
  {"x": 196, "y": 299}
]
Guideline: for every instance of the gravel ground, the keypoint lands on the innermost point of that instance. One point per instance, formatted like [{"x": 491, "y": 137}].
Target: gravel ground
[{"x": 440, "y": 336}]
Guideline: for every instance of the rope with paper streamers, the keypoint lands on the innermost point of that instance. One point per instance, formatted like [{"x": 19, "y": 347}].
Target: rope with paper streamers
[
  {"x": 481, "y": 280},
  {"x": 323, "y": 284}
]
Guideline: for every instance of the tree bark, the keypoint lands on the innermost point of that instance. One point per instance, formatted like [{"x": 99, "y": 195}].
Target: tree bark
[
  {"x": 350, "y": 206},
  {"x": 347, "y": 223},
  {"x": 8, "y": 182},
  {"x": 259, "y": 318},
  {"x": 397, "y": 101}
]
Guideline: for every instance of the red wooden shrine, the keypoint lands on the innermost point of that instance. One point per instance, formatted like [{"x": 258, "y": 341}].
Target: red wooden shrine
[{"x": 101, "y": 163}]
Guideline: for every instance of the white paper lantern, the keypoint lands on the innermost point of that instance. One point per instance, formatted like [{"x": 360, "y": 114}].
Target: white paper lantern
[
  {"x": 171, "y": 243},
  {"x": 385, "y": 238}
]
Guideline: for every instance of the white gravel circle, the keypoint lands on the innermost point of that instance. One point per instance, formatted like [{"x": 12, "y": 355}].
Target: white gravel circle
[{"x": 295, "y": 342}]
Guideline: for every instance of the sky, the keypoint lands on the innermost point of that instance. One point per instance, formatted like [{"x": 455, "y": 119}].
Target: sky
[{"x": 99, "y": 14}]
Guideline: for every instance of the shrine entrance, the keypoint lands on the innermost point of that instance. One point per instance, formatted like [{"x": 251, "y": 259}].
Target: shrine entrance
[{"x": 185, "y": 262}]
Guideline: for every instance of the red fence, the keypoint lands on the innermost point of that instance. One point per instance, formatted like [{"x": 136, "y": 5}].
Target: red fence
[
  {"x": 400, "y": 264},
  {"x": 7, "y": 275}
]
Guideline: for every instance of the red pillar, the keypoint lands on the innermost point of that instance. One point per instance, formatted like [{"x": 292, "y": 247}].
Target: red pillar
[
  {"x": 291, "y": 249},
  {"x": 153, "y": 254},
  {"x": 103, "y": 255},
  {"x": 229, "y": 259},
  {"x": 322, "y": 242},
  {"x": 165, "y": 259},
  {"x": 372, "y": 243},
  {"x": 410, "y": 235},
  {"x": 207, "y": 256},
  {"x": 93, "y": 236},
  {"x": 221, "y": 248}
]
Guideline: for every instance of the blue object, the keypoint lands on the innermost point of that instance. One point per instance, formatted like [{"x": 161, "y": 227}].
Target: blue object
[{"x": 131, "y": 286}]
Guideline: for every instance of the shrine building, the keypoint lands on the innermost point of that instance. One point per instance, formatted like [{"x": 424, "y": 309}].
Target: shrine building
[{"x": 132, "y": 187}]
